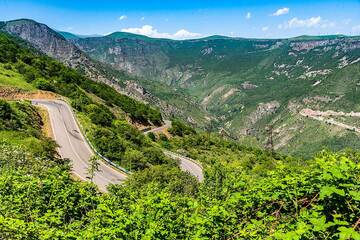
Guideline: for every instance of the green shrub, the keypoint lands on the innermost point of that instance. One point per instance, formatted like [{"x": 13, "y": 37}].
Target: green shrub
[
  {"x": 179, "y": 128},
  {"x": 152, "y": 136},
  {"x": 100, "y": 114}
]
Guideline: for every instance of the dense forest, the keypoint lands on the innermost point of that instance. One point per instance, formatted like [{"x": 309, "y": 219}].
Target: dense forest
[{"x": 248, "y": 193}]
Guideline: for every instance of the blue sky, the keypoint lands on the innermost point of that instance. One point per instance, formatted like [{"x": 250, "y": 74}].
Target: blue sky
[{"x": 192, "y": 18}]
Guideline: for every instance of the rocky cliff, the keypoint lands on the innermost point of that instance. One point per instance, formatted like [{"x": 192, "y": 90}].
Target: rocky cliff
[{"x": 55, "y": 45}]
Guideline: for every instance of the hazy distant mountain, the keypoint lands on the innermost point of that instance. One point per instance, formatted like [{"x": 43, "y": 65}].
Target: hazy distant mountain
[
  {"x": 69, "y": 35},
  {"x": 236, "y": 86},
  {"x": 247, "y": 84},
  {"x": 57, "y": 46}
]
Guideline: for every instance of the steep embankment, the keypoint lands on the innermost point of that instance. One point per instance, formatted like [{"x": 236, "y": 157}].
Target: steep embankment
[{"x": 56, "y": 46}]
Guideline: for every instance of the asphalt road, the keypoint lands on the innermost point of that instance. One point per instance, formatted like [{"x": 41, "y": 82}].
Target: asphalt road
[
  {"x": 187, "y": 165},
  {"x": 160, "y": 129},
  {"x": 73, "y": 146}
]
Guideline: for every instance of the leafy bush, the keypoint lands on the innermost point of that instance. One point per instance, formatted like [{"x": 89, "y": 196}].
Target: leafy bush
[
  {"x": 43, "y": 84},
  {"x": 100, "y": 114},
  {"x": 179, "y": 128},
  {"x": 152, "y": 136}
]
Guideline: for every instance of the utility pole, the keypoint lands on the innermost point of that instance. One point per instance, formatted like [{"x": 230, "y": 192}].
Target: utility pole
[{"x": 269, "y": 143}]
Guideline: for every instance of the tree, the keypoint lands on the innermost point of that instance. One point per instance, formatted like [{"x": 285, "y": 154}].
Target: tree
[
  {"x": 94, "y": 167},
  {"x": 179, "y": 128},
  {"x": 152, "y": 136}
]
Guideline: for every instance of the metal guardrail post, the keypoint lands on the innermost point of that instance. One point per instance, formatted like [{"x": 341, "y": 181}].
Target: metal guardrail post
[{"x": 91, "y": 146}]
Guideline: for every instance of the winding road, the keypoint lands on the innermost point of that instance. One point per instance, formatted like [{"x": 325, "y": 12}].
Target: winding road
[
  {"x": 187, "y": 165},
  {"x": 321, "y": 116},
  {"x": 72, "y": 145},
  {"x": 167, "y": 125}
]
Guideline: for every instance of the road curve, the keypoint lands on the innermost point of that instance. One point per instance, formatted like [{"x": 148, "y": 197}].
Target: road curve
[
  {"x": 73, "y": 146},
  {"x": 187, "y": 165},
  {"x": 167, "y": 125}
]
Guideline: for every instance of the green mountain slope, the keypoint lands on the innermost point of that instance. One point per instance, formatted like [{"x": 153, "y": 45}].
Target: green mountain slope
[
  {"x": 246, "y": 84},
  {"x": 248, "y": 193},
  {"x": 68, "y": 35},
  {"x": 53, "y": 44},
  {"x": 104, "y": 112},
  {"x": 236, "y": 86}
]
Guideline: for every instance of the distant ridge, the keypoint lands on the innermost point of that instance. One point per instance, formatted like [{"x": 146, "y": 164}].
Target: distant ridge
[
  {"x": 133, "y": 36},
  {"x": 70, "y": 36},
  {"x": 216, "y": 37},
  {"x": 320, "y": 37}
]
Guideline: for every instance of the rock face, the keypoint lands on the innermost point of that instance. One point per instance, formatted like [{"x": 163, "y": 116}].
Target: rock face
[
  {"x": 138, "y": 92},
  {"x": 135, "y": 56},
  {"x": 56, "y": 46},
  {"x": 263, "y": 110},
  {"x": 46, "y": 40},
  {"x": 228, "y": 83},
  {"x": 248, "y": 85}
]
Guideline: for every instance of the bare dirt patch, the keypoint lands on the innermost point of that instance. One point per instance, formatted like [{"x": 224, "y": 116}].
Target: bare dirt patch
[
  {"x": 10, "y": 93},
  {"x": 46, "y": 128}
]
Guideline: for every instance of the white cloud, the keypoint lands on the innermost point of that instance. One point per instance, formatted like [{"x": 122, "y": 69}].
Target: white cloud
[
  {"x": 356, "y": 29},
  {"x": 308, "y": 23},
  {"x": 248, "y": 15},
  {"x": 265, "y": 28},
  {"x": 69, "y": 28},
  {"x": 150, "y": 31},
  {"x": 281, "y": 11},
  {"x": 182, "y": 34},
  {"x": 142, "y": 18},
  {"x": 123, "y": 17}
]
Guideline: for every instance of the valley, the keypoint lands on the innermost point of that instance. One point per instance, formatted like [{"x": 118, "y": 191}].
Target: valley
[
  {"x": 240, "y": 85},
  {"x": 232, "y": 85},
  {"x": 125, "y": 136}
]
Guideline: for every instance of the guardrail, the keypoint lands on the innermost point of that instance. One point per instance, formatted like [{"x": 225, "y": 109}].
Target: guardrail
[
  {"x": 91, "y": 146},
  {"x": 103, "y": 157},
  {"x": 167, "y": 152}
]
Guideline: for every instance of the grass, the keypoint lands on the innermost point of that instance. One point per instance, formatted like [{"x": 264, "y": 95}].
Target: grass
[
  {"x": 21, "y": 139},
  {"x": 10, "y": 78}
]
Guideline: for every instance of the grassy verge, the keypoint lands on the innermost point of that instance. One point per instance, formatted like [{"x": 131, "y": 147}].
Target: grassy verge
[{"x": 10, "y": 78}]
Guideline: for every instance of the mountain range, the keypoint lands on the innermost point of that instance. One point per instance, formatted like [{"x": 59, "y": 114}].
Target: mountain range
[{"x": 254, "y": 90}]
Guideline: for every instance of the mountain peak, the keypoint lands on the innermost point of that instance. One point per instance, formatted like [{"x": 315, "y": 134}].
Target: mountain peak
[{"x": 122, "y": 35}]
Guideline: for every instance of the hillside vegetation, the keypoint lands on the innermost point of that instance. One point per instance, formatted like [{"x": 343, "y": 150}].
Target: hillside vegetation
[
  {"x": 252, "y": 195},
  {"x": 244, "y": 85},
  {"x": 247, "y": 192},
  {"x": 104, "y": 111},
  {"x": 236, "y": 86}
]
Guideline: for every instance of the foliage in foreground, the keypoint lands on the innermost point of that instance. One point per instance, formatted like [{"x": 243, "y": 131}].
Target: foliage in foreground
[
  {"x": 319, "y": 200},
  {"x": 247, "y": 194}
]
